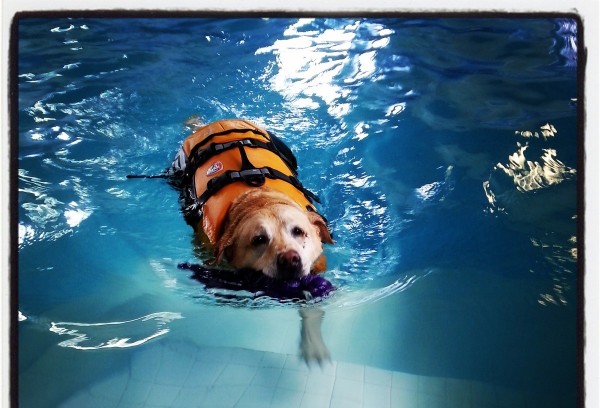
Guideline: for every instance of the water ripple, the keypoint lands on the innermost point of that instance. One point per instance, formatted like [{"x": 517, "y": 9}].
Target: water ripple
[
  {"x": 319, "y": 64},
  {"x": 122, "y": 334},
  {"x": 50, "y": 216}
]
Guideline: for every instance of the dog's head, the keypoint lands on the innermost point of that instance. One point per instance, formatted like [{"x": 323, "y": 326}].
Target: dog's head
[{"x": 268, "y": 232}]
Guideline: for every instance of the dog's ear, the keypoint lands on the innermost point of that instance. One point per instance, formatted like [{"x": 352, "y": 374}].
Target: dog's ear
[
  {"x": 224, "y": 248},
  {"x": 321, "y": 225},
  {"x": 223, "y": 252},
  {"x": 319, "y": 266}
]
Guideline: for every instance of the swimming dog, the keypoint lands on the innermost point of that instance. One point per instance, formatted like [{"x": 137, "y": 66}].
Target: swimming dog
[{"x": 242, "y": 196}]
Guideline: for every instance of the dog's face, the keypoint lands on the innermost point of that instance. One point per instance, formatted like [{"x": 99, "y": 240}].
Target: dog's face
[{"x": 266, "y": 232}]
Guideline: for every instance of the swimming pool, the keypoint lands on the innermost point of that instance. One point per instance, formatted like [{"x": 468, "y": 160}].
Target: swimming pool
[{"x": 446, "y": 155}]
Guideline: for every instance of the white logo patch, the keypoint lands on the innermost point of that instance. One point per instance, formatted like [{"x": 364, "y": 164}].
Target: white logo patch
[{"x": 214, "y": 168}]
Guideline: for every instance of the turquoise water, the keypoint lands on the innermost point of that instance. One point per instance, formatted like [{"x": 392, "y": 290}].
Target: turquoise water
[{"x": 445, "y": 152}]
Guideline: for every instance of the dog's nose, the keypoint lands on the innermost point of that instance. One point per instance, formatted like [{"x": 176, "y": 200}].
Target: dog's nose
[{"x": 289, "y": 264}]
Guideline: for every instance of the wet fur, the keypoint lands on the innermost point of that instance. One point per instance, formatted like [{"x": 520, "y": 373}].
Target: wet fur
[{"x": 273, "y": 214}]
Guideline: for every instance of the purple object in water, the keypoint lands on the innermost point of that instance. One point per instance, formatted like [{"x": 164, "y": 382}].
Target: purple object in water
[{"x": 306, "y": 288}]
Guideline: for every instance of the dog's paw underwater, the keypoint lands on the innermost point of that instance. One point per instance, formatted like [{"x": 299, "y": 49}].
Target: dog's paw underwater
[{"x": 309, "y": 287}]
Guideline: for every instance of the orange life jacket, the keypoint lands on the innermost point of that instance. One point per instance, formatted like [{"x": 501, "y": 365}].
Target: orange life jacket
[{"x": 226, "y": 158}]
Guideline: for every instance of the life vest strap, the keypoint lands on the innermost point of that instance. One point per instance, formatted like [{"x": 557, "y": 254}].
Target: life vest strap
[
  {"x": 227, "y": 132},
  {"x": 200, "y": 156},
  {"x": 253, "y": 177}
]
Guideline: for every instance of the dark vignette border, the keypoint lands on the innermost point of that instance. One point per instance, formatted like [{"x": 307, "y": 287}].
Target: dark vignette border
[{"x": 13, "y": 99}]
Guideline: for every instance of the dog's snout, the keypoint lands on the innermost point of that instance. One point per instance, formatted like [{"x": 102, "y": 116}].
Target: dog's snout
[{"x": 289, "y": 264}]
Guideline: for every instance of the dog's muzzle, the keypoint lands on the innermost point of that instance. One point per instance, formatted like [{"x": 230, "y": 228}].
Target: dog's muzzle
[{"x": 289, "y": 265}]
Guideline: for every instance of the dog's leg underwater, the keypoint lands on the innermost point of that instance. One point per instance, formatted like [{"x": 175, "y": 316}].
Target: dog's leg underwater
[{"x": 312, "y": 346}]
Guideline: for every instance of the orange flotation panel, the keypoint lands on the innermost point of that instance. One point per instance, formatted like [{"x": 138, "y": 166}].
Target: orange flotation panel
[{"x": 223, "y": 160}]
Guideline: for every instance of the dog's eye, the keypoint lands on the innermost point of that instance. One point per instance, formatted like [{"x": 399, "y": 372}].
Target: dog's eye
[
  {"x": 259, "y": 240},
  {"x": 297, "y": 232}
]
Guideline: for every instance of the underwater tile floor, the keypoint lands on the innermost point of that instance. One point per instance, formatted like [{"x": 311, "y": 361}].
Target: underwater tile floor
[{"x": 176, "y": 374}]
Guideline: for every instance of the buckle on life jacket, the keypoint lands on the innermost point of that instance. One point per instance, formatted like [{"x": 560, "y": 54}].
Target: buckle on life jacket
[{"x": 252, "y": 177}]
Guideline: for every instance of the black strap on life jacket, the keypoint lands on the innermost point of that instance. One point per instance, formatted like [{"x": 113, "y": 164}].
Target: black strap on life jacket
[
  {"x": 248, "y": 173},
  {"x": 198, "y": 157},
  {"x": 252, "y": 176}
]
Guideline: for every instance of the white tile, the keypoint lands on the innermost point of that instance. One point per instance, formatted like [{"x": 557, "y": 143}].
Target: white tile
[
  {"x": 292, "y": 380},
  {"x": 327, "y": 368},
  {"x": 216, "y": 354},
  {"x": 246, "y": 357},
  {"x": 403, "y": 398},
  {"x": 378, "y": 376},
  {"x": 145, "y": 365},
  {"x": 295, "y": 363},
  {"x": 320, "y": 383},
  {"x": 136, "y": 392},
  {"x": 345, "y": 403},
  {"x": 181, "y": 347},
  {"x": 284, "y": 398},
  {"x": 376, "y": 396},
  {"x": 222, "y": 396},
  {"x": 174, "y": 368},
  {"x": 267, "y": 376},
  {"x": 315, "y": 401},
  {"x": 273, "y": 360},
  {"x": 257, "y": 395},
  {"x": 350, "y": 371},
  {"x": 163, "y": 395},
  {"x": 243, "y": 404},
  {"x": 190, "y": 397},
  {"x": 348, "y": 389},
  {"x": 432, "y": 401},
  {"x": 236, "y": 374},
  {"x": 204, "y": 373}
]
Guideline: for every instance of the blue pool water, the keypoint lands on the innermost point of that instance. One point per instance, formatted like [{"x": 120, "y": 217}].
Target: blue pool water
[{"x": 445, "y": 152}]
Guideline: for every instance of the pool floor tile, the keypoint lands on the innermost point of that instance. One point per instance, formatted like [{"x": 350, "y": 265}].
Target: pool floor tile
[
  {"x": 235, "y": 374},
  {"x": 378, "y": 376},
  {"x": 348, "y": 389},
  {"x": 319, "y": 383},
  {"x": 161, "y": 377},
  {"x": 257, "y": 395},
  {"x": 223, "y": 396},
  {"x": 402, "y": 398},
  {"x": 266, "y": 376},
  {"x": 292, "y": 380},
  {"x": 350, "y": 371},
  {"x": 190, "y": 397},
  {"x": 376, "y": 395},
  {"x": 345, "y": 403},
  {"x": 286, "y": 398},
  {"x": 163, "y": 395},
  {"x": 315, "y": 400}
]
